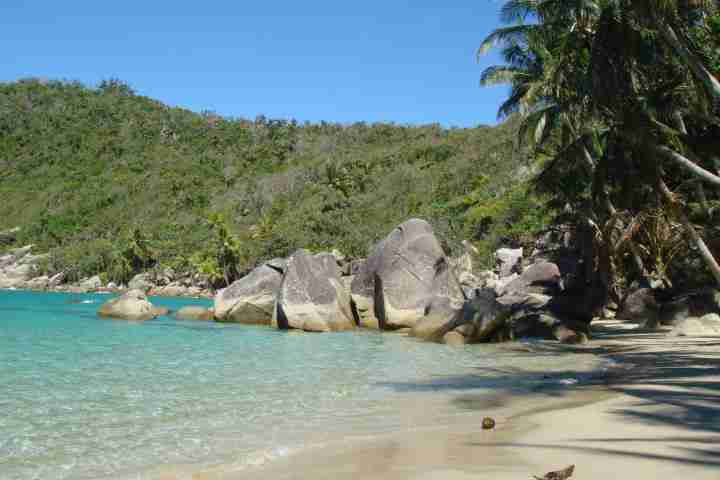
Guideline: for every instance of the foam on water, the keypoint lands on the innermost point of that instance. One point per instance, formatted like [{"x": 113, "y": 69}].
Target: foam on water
[{"x": 83, "y": 397}]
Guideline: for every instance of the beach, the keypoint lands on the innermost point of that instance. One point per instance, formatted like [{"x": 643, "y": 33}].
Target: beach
[
  {"x": 655, "y": 413},
  {"x": 175, "y": 400}
]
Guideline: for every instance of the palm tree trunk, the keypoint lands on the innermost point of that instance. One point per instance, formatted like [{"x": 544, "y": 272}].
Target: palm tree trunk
[
  {"x": 711, "y": 84},
  {"x": 693, "y": 168},
  {"x": 612, "y": 211},
  {"x": 699, "y": 189},
  {"x": 705, "y": 252}
]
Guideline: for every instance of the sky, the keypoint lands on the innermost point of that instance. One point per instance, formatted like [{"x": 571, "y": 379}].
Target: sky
[{"x": 402, "y": 61}]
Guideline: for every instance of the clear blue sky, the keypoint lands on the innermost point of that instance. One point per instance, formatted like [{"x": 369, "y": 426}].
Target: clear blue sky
[{"x": 392, "y": 60}]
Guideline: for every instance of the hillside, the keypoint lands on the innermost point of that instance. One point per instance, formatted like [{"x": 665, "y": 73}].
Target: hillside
[{"x": 111, "y": 182}]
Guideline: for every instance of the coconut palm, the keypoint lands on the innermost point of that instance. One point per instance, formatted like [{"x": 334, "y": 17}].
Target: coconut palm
[{"x": 609, "y": 84}]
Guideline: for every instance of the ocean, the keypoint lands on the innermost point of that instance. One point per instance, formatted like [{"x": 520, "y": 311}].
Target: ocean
[{"x": 88, "y": 398}]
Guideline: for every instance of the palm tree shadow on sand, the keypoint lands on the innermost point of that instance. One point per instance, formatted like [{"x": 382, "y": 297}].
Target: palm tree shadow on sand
[{"x": 674, "y": 383}]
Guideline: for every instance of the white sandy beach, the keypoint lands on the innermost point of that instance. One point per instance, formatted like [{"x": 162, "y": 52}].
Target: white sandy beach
[{"x": 654, "y": 414}]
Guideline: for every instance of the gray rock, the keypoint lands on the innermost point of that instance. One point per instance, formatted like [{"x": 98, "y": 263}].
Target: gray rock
[
  {"x": 524, "y": 301},
  {"x": 251, "y": 299},
  {"x": 469, "y": 292},
  {"x": 406, "y": 272},
  {"x": 192, "y": 312},
  {"x": 279, "y": 264},
  {"x": 311, "y": 295},
  {"x": 56, "y": 280},
  {"x": 19, "y": 266},
  {"x": 498, "y": 285},
  {"x": 92, "y": 283},
  {"x": 14, "y": 255},
  {"x": 133, "y": 306},
  {"x": 463, "y": 264},
  {"x": 441, "y": 317},
  {"x": 486, "y": 276},
  {"x": 508, "y": 261},
  {"x": 38, "y": 283},
  {"x": 477, "y": 321},
  {"x": 639, "y": 306},
  {"x": 543, "y": 278},
  {"x": 166, "y": 276},
  {"x": 142, "y": 281},
  {"x": 173, "y": 289},
  {"x": 467, "y": 279},
  {"x": 705, "y": 326},
  {"x": 486, "y": 315},
  {"x": 356, "y": 266}
]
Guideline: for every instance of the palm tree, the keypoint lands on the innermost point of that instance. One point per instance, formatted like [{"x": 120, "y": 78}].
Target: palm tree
[{"x": 585, "y": 72}]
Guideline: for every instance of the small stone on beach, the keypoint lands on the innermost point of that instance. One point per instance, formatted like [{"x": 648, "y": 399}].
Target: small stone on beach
[
  {"x": 558, "y": 475},
  {"x": 488, "y": 423}
]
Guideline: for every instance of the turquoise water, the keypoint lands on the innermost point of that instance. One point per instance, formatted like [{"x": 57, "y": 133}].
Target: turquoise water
[{"x": 83, "y": 397}]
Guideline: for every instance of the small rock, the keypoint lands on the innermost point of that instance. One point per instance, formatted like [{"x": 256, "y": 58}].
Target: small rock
[
  {"x": 192, "y": 312},
  {"x": 563, "y": 474},
  {"x": 509, "y": 261},
  {"x": 92, "y": 283},
  {"x": 488, "y": 423},
  {"x": 141, "y": 281},
  {"x": 639, "y": 306}
]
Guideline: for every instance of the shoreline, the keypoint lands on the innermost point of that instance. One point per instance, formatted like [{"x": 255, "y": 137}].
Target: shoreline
[
  {"x": 650, "y": 409},
  {"x": 654, "y": 413},
  {"x": 205, "y": 296}
]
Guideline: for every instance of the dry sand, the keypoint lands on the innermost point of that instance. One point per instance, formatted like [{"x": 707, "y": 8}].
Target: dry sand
[{"x": 654, "y": 414}]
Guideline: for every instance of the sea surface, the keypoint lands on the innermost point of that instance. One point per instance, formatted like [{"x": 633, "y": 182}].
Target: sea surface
[{"x": 89, "y": 398}]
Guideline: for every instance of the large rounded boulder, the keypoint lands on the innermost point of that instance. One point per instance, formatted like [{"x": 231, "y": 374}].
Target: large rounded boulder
[
  {"x": 406, "y": 273},
  {"x": 251, "y": 299},
  {"x": 312, "y": 296},
  {"x": 133, "y": 306}
]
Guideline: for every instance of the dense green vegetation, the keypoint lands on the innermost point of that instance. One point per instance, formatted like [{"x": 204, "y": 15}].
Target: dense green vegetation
[
  {"x": 621, "y": 100},
  {"x": 114, "y": 183}
]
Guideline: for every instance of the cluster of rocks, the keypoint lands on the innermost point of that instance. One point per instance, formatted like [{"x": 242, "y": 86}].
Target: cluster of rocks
[
  {"x": 21, "y": 269},
  {"x": 167, "y": 283},
  {"x": 406, "y": 284},
  {"x": 691, "y": 314}
]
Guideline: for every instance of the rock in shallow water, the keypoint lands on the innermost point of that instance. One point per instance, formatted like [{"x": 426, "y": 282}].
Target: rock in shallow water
[
  {"x": 312, "y": 296},
  {"x": 133, "y": 305},
  {"x": 251, "y": 299},
  {"x": 192, "y": 312}
]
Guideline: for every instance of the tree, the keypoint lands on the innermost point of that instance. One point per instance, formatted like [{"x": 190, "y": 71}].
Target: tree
[{"x": 602, "y": 84}]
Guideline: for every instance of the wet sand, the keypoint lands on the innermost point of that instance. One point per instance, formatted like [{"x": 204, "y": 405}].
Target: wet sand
[{"x": 654, "y": 414}]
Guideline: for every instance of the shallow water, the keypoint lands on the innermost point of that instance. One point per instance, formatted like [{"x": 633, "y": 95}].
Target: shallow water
[{"x": 83, "y": 397}]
